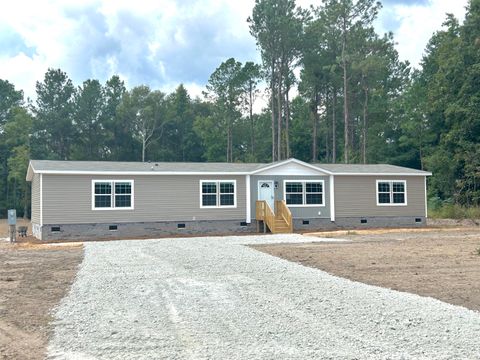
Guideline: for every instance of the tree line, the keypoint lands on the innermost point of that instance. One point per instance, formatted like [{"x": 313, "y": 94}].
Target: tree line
[{"x": 335, "y": 90}]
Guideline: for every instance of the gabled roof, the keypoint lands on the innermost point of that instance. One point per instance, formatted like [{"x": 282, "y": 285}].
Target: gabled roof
[{"x": 191, "y": 168}]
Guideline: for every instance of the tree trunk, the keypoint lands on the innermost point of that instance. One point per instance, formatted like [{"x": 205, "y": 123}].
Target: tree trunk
[
  {"x": 143, "y": 148},
  {"x": 279, "y": 119},
  {"x": 334, "y": 126},
  {"x": 315, "y": 126},
  {"x": 272, "y": 105},
  {"x": 287, "y": 122},
  {"x": 345, "y": 92},
  {"x": 252, "y": 128},
  {"x": 364, "y": 135},
  {"x": 228, "y": 143},
  {"x": 327, "y": 132},
  {"x": 25, "y": 201},
  {"x": 230, "y": 133}
]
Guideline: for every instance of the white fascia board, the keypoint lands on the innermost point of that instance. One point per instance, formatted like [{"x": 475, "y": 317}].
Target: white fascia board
[
  {"x": 289, "y": 161},
  {"x": 382, "y": 174},
  {"x": 30, "y": 172},
  {"x": 122, "y": 173}
]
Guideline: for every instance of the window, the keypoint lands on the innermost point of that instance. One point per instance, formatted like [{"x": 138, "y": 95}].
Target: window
[
  {"x": 217, "y": 193},
  {"x": 112, "y": 194},
  {"x": 391, "y": 192},
  {"x": 304, "y": 193}
]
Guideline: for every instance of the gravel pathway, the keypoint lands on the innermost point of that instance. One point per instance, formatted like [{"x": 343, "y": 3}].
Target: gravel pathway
[{"x": 214, "y": 298}]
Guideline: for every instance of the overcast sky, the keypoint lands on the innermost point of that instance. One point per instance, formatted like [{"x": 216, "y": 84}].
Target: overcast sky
[{"x": 162, "y": 43}]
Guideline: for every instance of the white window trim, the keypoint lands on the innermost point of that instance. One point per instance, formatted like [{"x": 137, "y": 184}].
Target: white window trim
[
  {"x": 218, "y": 206},
  {"x": 304, "y": 192},
  {"x": 391, "y": 192},
  {"x": 113, "y": 181}
]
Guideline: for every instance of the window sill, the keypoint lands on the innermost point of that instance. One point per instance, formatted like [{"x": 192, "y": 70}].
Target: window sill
[
  {"x": 392, "y": 204},
  {"x": 307, "y": 205},
  {"x": 218, "y": 207},
  {"x": 121, "y": 208}
]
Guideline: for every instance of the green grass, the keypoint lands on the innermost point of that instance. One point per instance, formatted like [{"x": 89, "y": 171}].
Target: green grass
[{"x": 453, "y": 211}]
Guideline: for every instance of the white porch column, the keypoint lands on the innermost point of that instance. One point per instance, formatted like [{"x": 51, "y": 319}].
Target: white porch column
[
  {"x": 247, "y": 200},
  {"x": 332, "y": 197}
]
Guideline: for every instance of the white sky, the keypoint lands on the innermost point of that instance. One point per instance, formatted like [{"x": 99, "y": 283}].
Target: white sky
[{"x": 162, "y": 43}]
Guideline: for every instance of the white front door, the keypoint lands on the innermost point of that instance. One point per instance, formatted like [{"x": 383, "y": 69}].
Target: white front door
[{"x": 266, "y": 192}]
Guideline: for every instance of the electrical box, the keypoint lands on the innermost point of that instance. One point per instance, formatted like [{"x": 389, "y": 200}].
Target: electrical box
[{"x": 12, "y": 217}]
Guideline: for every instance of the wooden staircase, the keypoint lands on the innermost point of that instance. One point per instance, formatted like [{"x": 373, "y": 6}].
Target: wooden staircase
[{"x": 280, "y": 222}]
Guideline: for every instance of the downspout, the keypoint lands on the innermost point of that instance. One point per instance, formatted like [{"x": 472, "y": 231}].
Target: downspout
[{"x": 332, "y": 198}]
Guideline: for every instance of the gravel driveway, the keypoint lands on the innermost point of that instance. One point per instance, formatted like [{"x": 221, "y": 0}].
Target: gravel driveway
[{"x": 214, "y": 298}]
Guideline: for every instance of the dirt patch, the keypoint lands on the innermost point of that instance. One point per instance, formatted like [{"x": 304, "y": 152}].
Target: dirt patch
[
  {"x": 440, "y": 263},
  {"x": 33, "y": 279}
]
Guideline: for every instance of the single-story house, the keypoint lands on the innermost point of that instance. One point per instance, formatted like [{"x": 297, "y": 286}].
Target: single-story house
[{"x": 101, "y": 199}]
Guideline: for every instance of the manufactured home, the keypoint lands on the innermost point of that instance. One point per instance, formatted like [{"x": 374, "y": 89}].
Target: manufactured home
[{"x": 100, "y": 199}]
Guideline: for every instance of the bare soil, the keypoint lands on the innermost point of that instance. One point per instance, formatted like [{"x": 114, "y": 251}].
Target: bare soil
[
  {"x": 33, "y": 279},
  {"x": 443, "y": 263}
]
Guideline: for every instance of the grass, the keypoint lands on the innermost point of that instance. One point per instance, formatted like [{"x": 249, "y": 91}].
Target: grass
[{"x": 454, "y": 211}]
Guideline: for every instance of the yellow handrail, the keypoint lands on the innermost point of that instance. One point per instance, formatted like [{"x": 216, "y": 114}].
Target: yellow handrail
[
  {"x": 284, "y": 212},
  {"x": 265, "y": 213}
]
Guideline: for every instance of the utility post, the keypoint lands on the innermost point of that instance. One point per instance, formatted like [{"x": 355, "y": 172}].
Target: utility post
[{"x": 12, "y": 224}]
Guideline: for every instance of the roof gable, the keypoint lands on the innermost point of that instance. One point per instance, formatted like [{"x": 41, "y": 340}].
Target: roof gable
[{"x": 290, "y": 167}]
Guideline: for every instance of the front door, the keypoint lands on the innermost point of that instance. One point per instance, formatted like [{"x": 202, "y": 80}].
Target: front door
[{"x": 266, "y": 192}]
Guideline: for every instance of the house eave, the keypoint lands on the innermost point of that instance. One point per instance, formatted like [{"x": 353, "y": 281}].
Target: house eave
[
  {"x": 382, "y": 174},
  {"x": 147, "y": 173}
]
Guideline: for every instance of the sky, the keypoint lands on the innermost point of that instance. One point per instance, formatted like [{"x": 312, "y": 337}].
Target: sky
[{"x": 162, "y": 43}]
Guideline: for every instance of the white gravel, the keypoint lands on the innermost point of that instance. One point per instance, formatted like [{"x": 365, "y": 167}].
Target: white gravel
[{"x": 213, "y": 298}]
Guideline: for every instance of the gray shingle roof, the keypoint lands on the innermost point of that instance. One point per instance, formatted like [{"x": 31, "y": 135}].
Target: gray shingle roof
[
  {"x": 118, "y": 166},
  {"x": 369, "y": 169},
  {"x": 207, "y": 167}
]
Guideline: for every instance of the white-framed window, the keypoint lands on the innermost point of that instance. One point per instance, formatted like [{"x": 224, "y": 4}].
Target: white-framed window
[
  {"x": 112, "y": 194},
  {"x": 218, "y": 193},
  {"x": 304, "y": 192},
  {"x": 391, "y": 192}
]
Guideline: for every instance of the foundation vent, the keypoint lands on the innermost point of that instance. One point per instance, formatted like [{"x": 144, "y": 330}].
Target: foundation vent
[
  {"x": 243, "y": 223},
  {"x": 55, "y": 229},
  {"x": 418, "y": 220},
  {"x": 112, "y": 227},
  {"x": 306, "y": 222},
  {"x": 363, "y": 221},
  {"x": 180, "y": 226}
]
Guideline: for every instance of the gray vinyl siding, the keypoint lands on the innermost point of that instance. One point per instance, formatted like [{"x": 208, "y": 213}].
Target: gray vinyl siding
[
  {"x": 356, "y": 196},
  {"x": 35, "y": 215},
  {"x": 67, "y": 199},
  {"x": 297, "y": 212}
]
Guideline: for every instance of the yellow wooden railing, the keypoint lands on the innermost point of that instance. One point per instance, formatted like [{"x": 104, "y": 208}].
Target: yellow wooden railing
[
  {"x": 284, "y": 212},
  {"x": 264, "y": 213}
]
